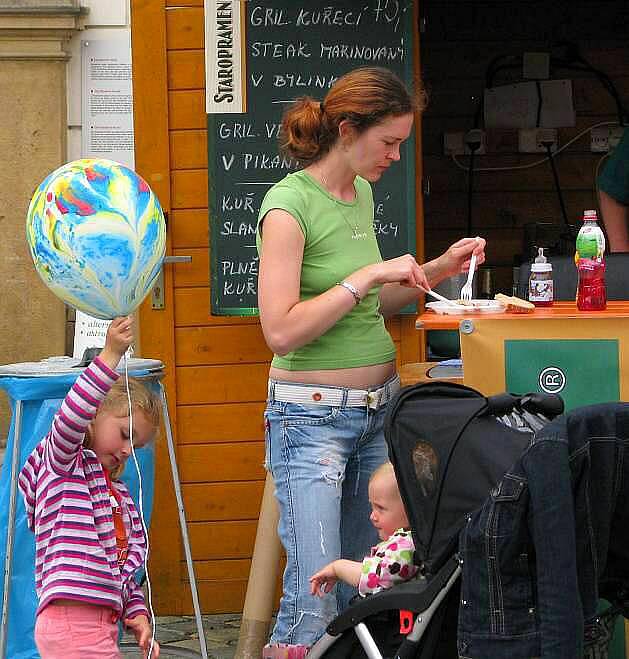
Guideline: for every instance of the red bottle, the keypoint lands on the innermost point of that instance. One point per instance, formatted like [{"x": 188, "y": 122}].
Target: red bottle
[
  {"x": 591, "y": 291},
  {"x": 590, "y": 262}
]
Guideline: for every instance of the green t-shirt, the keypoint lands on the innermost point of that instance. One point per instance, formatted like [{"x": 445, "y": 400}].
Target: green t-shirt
[
  {"x": 339, "y": 239},
  {"x": 614, "y": 179}
]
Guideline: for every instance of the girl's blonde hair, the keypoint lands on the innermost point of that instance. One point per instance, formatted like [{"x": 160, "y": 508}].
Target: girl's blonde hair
[{"x": 117, "y": 404}]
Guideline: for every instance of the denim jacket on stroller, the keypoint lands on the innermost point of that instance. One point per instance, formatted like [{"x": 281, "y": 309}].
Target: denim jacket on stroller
[
  {"x": 449, "y": 446},
  {"x": 552, "y": 537}
]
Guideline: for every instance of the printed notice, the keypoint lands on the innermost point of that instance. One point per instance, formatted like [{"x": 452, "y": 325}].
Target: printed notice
[
  {"x": 89, "y": 332},
  {"x": 224, "y": 78},
  {"x": 107, "y": 108}
]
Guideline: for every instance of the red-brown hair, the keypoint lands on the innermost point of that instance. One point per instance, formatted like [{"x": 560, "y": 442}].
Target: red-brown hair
[{"x": 364, "y": 97}]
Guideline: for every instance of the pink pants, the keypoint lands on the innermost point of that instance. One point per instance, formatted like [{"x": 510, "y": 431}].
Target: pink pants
[{"x": 76, "y": 632}]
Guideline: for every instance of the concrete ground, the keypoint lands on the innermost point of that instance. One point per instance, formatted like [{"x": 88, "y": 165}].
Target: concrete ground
[{"x": 178, "y": 637}]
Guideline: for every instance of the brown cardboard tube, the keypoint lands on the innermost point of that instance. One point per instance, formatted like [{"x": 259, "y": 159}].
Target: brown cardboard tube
[{"x": 258, "y": 608}]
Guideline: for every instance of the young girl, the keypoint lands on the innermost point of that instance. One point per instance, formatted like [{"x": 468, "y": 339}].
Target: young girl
[
  {"x": 389, "y": 562},
  {"x": 89, "y": 540}
]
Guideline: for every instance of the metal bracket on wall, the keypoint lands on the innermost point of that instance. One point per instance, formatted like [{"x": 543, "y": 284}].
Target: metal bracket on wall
[
  {"x": 466, "y": 326},
  {"x": 157, "y": 294}
]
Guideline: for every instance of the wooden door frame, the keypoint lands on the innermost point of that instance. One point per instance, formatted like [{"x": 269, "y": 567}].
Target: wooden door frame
[{"x": 157, "y": 331}]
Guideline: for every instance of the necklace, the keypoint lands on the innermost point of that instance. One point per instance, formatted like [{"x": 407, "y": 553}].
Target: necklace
[{"x": 357, "y": 234}]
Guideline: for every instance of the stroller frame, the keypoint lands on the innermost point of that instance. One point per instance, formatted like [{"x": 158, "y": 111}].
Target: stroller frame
[{"x": 384, "y": 601}]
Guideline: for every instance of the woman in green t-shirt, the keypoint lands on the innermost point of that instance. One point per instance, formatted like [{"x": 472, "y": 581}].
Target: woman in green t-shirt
[{"x": 323, "y": 294}]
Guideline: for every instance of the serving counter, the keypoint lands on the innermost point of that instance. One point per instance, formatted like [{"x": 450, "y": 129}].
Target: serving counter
[{"x": 581, "y": 355}]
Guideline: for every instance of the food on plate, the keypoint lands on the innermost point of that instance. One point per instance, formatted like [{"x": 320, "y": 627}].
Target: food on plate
[{"x": 515, "y": 304}]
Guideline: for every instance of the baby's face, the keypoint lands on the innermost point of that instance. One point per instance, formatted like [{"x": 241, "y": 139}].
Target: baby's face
[{"x": 387, "y": 510}]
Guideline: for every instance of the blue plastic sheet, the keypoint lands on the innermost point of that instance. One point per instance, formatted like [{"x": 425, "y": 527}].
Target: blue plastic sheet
[{"x": 41, "y": 397}]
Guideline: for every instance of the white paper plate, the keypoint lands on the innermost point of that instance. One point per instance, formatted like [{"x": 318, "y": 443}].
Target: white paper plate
[{"x": 474, "y": 306}]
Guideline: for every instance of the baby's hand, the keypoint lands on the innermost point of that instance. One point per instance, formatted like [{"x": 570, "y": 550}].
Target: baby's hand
[
  {"x": 322, "y": 582},
  {"x": 143, "y": 632},
  {"x": 119, "y": 338}
]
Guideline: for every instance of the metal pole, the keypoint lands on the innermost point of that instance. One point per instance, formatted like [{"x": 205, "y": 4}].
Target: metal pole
[
  {"x": 8, "y": 558},
  {"x": 182, "y": 522}
]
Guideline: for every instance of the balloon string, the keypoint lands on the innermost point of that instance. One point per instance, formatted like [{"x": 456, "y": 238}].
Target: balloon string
[{"x": 141, "y": 507}]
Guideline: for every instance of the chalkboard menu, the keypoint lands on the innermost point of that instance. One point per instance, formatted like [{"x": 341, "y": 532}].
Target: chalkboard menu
[{"x": 295, "y": 48}]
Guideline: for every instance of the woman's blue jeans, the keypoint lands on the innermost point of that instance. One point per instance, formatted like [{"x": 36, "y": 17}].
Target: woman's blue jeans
[{"x": 321, "y": 458}]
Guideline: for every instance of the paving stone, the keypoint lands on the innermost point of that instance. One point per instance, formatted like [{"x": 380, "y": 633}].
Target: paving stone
[{"x": 179, "y": 634}]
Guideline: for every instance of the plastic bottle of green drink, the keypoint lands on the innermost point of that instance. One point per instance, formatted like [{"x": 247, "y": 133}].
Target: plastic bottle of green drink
[{"x": 590, "y": 261}]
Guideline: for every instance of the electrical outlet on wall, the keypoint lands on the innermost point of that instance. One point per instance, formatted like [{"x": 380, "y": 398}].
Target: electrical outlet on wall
[
  {"x": 534, "y": 140},
  {"x": 458, "y": 143},
  {"x": 605, "y": 138},
  {"x": 599, "y": 139}
]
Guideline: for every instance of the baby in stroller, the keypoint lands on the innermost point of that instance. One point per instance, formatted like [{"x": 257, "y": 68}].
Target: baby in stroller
[{"x": 391, "y": 561}]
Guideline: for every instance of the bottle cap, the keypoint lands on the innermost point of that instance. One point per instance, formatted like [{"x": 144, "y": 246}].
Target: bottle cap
[
  {"x": 590, "y": 216},
  {"x": 541, "y": 263}
]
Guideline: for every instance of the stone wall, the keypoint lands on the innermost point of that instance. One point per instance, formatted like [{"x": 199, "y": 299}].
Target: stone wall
[{"x": 33, "y": 124}]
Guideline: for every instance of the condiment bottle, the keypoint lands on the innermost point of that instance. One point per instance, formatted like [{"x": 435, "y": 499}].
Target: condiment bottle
[{"x": 541, "y": 281}]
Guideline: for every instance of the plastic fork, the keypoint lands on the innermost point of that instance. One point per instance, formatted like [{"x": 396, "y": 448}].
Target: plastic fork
[{"x": 466, "y": 289}]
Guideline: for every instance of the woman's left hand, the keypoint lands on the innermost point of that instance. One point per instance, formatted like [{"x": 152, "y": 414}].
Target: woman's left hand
[{"x": 456, "y": 258}]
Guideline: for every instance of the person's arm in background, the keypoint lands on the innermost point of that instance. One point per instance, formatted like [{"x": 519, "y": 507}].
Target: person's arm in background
[
  {"x": 615, "y": 218},
  {"x": 613, "y": 187}
]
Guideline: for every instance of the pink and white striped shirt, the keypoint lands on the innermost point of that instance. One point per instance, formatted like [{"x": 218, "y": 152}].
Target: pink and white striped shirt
[{"x": 68, "y": 508}]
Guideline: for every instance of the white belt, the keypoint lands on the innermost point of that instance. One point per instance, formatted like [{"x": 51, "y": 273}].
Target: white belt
[{"x": 315, "y": 394}]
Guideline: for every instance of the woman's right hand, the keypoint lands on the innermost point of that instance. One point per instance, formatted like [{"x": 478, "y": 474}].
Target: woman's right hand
[{"x": 403, "y": 270}]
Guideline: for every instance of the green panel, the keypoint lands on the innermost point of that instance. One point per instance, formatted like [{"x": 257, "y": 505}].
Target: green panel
[
  {"x": 299, "y": 48},
  {"x": 581, "y": 371}
]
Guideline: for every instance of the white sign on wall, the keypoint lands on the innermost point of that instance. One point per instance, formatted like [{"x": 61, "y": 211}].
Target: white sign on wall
[
  {"x": 224, "y": 68},
  {"x": 89, "y": 332},
  {"x": 107, "y": 100}
]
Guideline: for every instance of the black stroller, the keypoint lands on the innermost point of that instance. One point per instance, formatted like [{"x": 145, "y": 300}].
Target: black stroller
[{"x": 449, "y": 446}]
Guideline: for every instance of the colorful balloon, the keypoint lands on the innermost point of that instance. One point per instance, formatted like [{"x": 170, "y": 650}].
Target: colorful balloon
[{"x": 97, "y": 236}]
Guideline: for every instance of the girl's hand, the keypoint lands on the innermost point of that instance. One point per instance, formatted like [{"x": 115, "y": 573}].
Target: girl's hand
[
  {"x": 322, "y": 582},
  {"x": 457, "y": 257},
  {"x": 142, "y": 629},
  {"x": 119, "y": 338},
  {"x": 403, "y": 270}
]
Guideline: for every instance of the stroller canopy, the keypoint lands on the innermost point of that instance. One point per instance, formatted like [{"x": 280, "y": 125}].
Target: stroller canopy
[{"x": 449, "y": 448}]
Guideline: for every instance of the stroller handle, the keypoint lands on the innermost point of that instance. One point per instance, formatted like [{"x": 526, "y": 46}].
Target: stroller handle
[{"x": 550, "y": 405}]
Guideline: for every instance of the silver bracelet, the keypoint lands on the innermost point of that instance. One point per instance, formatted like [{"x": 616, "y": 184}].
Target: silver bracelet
[{"x": 353, "y": 290}]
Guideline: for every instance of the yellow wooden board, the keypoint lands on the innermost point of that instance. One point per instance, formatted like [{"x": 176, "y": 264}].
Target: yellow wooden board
[{"x": 483, "y": 349}]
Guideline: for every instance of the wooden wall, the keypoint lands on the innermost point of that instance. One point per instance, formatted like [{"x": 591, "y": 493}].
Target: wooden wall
[
  {"x": 459, "y": 40},
  {"x": 216, "y": 366}
]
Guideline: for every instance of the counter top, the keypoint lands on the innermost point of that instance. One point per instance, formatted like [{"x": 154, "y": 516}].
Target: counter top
[{"x": 430, "y": 320}]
